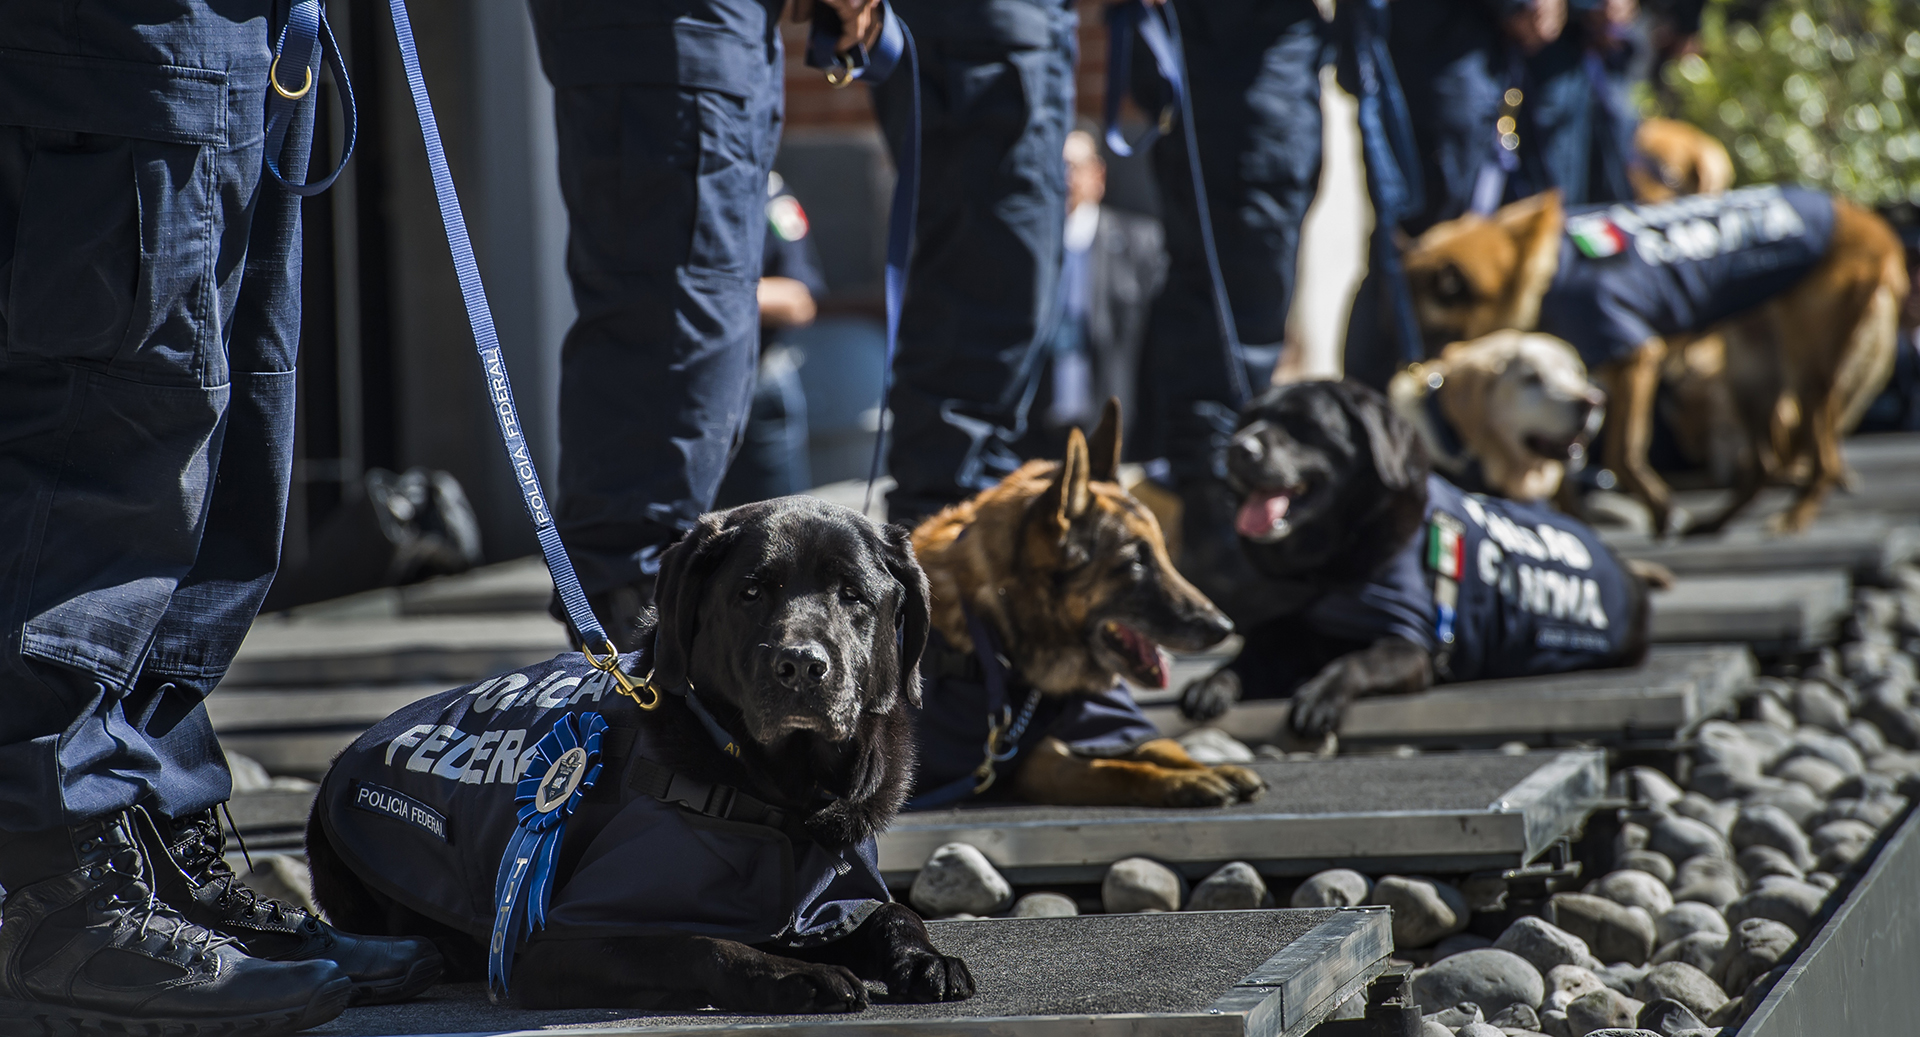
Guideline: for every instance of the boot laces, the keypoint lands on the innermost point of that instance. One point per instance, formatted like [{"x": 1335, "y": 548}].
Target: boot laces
[
  {"x": 206, "y": 860},
  {"x": 153, "y": 915}
]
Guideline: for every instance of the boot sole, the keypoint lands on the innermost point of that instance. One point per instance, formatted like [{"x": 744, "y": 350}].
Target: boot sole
[
  {"x": 52, "y": 1020},
  {"x": 421, "y": 975}
]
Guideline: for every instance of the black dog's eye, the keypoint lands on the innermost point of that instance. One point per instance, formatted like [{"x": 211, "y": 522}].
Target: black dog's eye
[
  {"x": 1450, "y": 286},
  {"x": 750, "y": 592},
  {"x": 851, "y": 596}
]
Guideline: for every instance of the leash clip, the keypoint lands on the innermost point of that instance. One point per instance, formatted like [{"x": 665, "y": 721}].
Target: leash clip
[
  {"x": 841, "y": 73},
  {"x": 273, "y": 77},
  {"x": 610, "y": 665}
]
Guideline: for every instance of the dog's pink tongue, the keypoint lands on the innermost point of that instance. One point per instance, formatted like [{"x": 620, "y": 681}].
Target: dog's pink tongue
[{"x": 1260, "y": 514}]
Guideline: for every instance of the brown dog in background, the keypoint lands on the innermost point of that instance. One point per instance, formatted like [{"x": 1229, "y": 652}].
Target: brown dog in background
[
  {"x": 1681, "y": 158},
  {"x": 1802, "y": 365},
  {"x": 1070, "y": 573}
]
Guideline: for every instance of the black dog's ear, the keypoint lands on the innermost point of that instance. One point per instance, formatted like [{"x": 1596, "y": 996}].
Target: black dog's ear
[
  {"x": 676, "y": 596},
  {"x": 1103, "y": 450},
  {"x": 913, "y": 619},
  {"x": 1398, "y": 457}
]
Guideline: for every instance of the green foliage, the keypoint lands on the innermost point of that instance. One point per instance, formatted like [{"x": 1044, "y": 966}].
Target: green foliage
[{"x": 1814, "y": 91}]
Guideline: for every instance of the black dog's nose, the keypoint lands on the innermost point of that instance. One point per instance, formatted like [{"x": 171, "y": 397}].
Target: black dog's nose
[{"x": 801, "y": 665}]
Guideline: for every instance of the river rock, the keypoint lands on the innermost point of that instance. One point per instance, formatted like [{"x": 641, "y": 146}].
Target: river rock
[
  {"x": 1719, "y": 743},
  {"x": 1645, "y": 785},
  {"x": 1682, "y": 837},
  {"x": 1629, "y": 838},
  {"x": 1566, "y": 982},
  {"x": 1867, "y": 783},
  {"x": 1545, "y": 945},
  {"x": 1756, "y": 945},
  {"x": 1840, "y": 843},
  {"x": 1137, "y": 884},
  {"x": 958, "y": 879},
  {"x": 1235, "y": 887},
  {"x": 1786, "y": 901},
  {"x": 1424, "y": 909},
  {"x": 1813, "y": 772},
  {"x": 1434, "y": 1028},
  {"x": 1669, "y": 1018},
  {"x": 1045, "y": 905},
  {"x": 1679, "y": 981},
  {"x": 1515, "y": 1017},
  {"x": 1634, "y": 889},
  {"x": 1700, "y": 949},
  {"x": 1479, "y": 1030},
  {"x": 1490, "y": 978},
  {"x": 1459, "y": 943},
  {"x": 1797, "y": 800},
  {"x": 1553, "y": 1023},
  {"x": 1459, "y": 1015},
  {"x": 1714, "y": 892},
  {"x": 1876, "y": 810},
  {"x": 1824, "y": 879},
  {"x": 1686, "y": 919},
  {"x": 1336, "y": 887},
  {"x": 1836, "y": 749},
  {"x": 1771, "y": 826},
  {"x": 1612, "y": 931},
  {"x": 1621, "y": 975},
  {"x": 1716, "y": 782},
  {"x": 1655, "y": 864},
  {"x": 1710, "y": 869},
  {"x": 1210, "y": 745},
  {"x": 1866, "y": 738},
  {"x": 1815, "y": 703},
  {"x": 1600, "y": 1010},
  {"x": 1758, "y": 862},
  {"x": 1707, "y": 811}
]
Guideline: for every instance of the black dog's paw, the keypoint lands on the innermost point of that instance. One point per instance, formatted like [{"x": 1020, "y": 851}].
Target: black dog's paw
[
  {"x": 1317, "y": 709},
  {"x": 920, "y": 978},
  {"x": 1210, "y": 696},
  {"x": 799, "y": 987}
]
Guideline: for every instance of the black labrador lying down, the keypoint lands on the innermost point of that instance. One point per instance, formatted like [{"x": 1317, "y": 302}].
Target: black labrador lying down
[
  {"x": 1377, "y": 577},
  {"x": 718, "y": 848}
]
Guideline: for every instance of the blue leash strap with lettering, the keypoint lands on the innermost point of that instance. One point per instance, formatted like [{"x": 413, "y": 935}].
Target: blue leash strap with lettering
[
  {"x": 304, "y": 38},
  {"x": 1159, "y": 29},
  {"x": 566, "y": 763},
  {"x": 1393, "y": 163},
  {"x": 487, "y": 341},
  {"x": 874, "y": 65}
]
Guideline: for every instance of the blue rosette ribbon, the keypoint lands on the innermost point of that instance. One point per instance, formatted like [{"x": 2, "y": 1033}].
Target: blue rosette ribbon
[{"x": 565, "y": 764}]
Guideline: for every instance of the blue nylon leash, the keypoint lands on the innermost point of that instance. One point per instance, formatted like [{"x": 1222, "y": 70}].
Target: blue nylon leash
[
  {"x": 1393, "y": 165},
  {"x": 304, "y": 38},
  {"x": 874, "y": 66},
  {"x": 1159, "y": 29}
]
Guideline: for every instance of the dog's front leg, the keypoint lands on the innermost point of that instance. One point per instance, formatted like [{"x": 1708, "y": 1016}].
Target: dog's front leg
[
  {"x": 679, "y": 971},
  {"x": 1052, "y": 773},
  {"x": 892, "y": 946},
  {"x": 1389, "y": 666},
  {"x": 1632, "y": 383}
]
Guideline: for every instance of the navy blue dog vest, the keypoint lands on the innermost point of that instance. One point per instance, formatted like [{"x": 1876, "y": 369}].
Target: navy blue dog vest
[
  {"x": 422, "y": 807},
  {"x": 1631, "y": 272}
]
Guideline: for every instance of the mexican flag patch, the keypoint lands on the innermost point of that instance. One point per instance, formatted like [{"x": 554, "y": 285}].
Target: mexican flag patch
[
  {"x": 786, "y": 217},
  {"x": 1596, "y": 236},
  {"x": 1446, "y": 546}
]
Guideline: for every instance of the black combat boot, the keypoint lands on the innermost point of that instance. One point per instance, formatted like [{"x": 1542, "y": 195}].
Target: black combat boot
[
  {"x": 86, "y": 948},
  {"x": 189, "y": 857}
]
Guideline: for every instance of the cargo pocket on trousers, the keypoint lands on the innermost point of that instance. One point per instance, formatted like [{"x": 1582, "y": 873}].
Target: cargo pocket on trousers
[
  {"x": 731, "y": 188},
  {"x": 76, "y": 256}
]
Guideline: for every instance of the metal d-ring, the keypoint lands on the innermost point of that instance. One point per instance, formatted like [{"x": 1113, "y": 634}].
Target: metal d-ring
[
  {"x": 273, "y": 78},
  {"x": 840, "y": 74}
]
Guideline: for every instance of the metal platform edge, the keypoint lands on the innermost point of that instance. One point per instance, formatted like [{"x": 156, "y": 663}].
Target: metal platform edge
[
  {"x": 1555, "y": 800},
  {"x": 1856, "y": 976},
  {"x": 1285, "y": 996}
]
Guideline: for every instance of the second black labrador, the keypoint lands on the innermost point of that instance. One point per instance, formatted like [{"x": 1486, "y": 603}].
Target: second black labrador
[
  {"x": 723, "y": 853},
  {"x": 1378, "y": 577}
]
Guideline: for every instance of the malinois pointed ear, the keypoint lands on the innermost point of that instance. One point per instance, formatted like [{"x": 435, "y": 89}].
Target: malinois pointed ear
[
  {"x": 1534, "y": 224},
  {"x": 1104, "y": 449},
  {"x": 1068, "y": 498}
]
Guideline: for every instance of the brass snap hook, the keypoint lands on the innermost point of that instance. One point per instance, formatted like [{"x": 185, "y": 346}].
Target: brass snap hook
[{"x": 273, "y": 78}]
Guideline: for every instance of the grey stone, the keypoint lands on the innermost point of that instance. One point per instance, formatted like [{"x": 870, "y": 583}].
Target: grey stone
[
  {"x": 1840, "y": 843},
  {"x": 1434, "y": 1028},
  {"x": 1621, "y": 975},
  {"x": 1825, "y": 880},
  {"x": 1761, "y": 861},
  {"x": 1668, "y": 1017},
  {"x": 248, "y": 774},
  {"x": 1479, "y": 1030},
  {"x": 1790, "y": 903},
  {"x": 1718, "y": 893},
  {"x": 1424, "y": 909},
  {"x": 1756, "y": 945},
  {"x": 1798, "y": 801},
  {"x": 1866, "y": 784},
  {"x": 1210, "y": 745},
  {"x": 1490, "y": 978},
  {"x": 1553, "y": 1023},
  {"x": 1836, "y": 749},
  {"x": 1683, "y": 837},
  {"x": 1685, "y": 919},
  {"x": 1459, "y": 943},
  {"x": 1336, "y": 887},
  {"x": 1459, "y": 1015},
  {"x": 1897, "y": 765},
  {"x": 1813, "y": 772},
  {"x": 1679, "y": 981},
  {"x": 1730, "y": 1016},
  {"x": 1235, "y": 887},
  {"x": 1719, "y": 743},
  {"x": 1613, "y": 932},
  {"x": 282, "y": 876},
  {"x": 1762, "y": 825},
  {"x": 1634, "y": 889},
  {"x": 1566, "y": 982},
  {"x": 1516, "y": 1017},
  {"x": 1603, "y": 1009},
  {"x": 1717, "y": 782},
  {"x": 1699, "y": 950},
  {"x": 1629, "y": 838},
  {"x": 1770, "y": 739},
  {"x": 1877, "y": 810},
  {"x": 1645, "y": 785},
  {"x": 1656, "y": 864},
  {"x": 957, "y": 879},
  {"x": 1866, "y": 738},
  {"x": 1138, "y": 884},
  {"x": 1706, "y": 811},
  {"x": 1710, "y": 869},
  {"x": 1045, "y": 905},
  {"x": 1774, "y": 713},
  {"x": 1484, "y": 892},
  {"x": 1815, "y": 703},
  {"x": 1621, "y": 1031},
  {"x": 1545, "y": 945}
]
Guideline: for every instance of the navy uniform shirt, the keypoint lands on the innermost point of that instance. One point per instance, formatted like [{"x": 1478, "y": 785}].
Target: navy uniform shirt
[
  {"x": 789, "y": 249},
  {"x": 1631, "y": 272},
  {"x": 422, "y": 806},
  {"x": 950, "y": 729}
]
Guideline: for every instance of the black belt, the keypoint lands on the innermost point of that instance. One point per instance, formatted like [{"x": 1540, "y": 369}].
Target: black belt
[{"x": 707, "y": 798}]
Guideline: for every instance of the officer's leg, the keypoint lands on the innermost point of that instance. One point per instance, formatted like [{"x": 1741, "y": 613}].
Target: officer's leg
[
  {"x": 985, "y": 261},
  {"x": 1258, "y": 122},
  {"x": 126, "y": 254},
  {"x": 665, "y": 195}
]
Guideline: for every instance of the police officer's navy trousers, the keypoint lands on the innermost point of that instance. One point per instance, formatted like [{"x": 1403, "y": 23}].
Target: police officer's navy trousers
[
  {"x": 1254, "y": 66},
  {"x": 668, "y": 115},
  {"x": 996, "y": 99},
  {"x": 149, "y": 317}
]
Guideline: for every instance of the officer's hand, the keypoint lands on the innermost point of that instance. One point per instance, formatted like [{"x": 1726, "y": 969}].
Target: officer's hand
[
  {"x": 860, "y": 20},
  {"x": 785, "y": 303},
  {"x": 1538, "y": 25}
]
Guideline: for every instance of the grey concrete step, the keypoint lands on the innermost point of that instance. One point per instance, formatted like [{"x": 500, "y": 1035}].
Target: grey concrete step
[
  {"x": 301, "y": 651},
  {"x": 1868, "y": 546},
  {"x": 1772, "y": 613}
]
